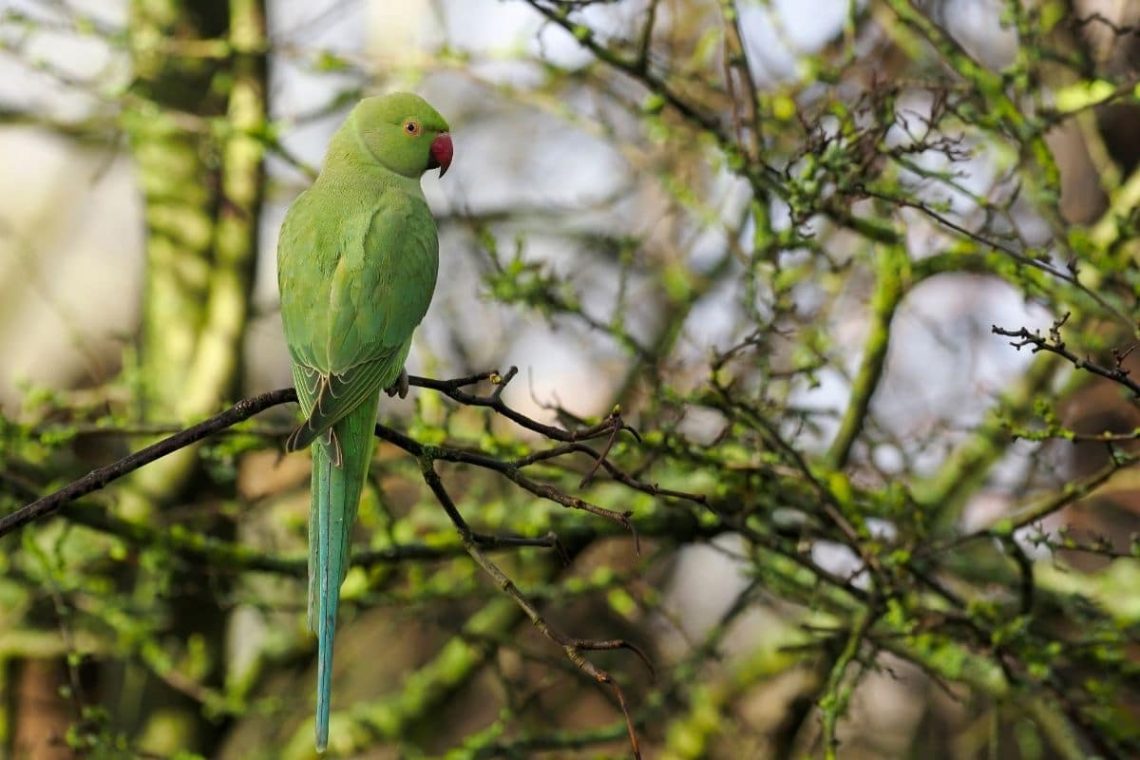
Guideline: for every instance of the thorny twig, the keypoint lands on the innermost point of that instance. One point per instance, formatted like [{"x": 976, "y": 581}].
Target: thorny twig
[
  {"x": 1054, "y": 344},
  {"x": 246, "y": 408}
]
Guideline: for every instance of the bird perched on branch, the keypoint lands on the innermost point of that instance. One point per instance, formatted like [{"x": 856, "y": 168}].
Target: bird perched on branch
[{"x": 356, "y": 267}]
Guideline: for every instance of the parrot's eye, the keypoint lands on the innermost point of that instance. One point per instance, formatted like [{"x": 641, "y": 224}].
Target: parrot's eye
[{"x": 411, "y": 127}]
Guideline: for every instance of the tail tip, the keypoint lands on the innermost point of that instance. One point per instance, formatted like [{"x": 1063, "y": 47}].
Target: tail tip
[
  {"x": 322, "y": 717},
  {"x": 322, "y": 738}
]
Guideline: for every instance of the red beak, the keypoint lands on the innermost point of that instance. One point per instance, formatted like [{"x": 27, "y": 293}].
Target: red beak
[{"x": 441, "y": 153}]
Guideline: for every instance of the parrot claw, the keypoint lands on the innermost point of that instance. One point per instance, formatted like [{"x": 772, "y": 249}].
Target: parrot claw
[{"x": 400, "y": 387}]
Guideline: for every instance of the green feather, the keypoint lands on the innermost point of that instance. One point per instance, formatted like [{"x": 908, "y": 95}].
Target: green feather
[{"x": 357, "y": 263}]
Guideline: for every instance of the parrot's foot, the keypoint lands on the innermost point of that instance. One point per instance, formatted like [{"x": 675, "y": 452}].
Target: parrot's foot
[{"x": 400, "y": 387}]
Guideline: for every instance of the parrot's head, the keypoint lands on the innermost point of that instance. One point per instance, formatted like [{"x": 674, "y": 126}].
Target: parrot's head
[{"x": 403, "y": 133}]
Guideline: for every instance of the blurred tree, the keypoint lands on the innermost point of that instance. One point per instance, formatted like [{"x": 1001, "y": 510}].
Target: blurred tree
[
  {"x": 770, "y": 256},
  {"x": 192, "y": 116}
]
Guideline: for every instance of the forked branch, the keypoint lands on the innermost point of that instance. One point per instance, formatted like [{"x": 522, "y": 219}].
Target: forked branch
[{"x": 571, "y": 441}]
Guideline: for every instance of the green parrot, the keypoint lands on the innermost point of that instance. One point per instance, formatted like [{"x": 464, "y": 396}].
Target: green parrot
[{"x": 356, "y": 267}]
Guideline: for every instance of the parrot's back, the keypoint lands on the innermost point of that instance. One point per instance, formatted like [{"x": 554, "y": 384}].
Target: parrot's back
[{"x": 357, "y": 265}]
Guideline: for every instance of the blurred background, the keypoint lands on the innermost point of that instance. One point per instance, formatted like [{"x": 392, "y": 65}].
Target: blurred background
[{"x": 773, "y": 235}]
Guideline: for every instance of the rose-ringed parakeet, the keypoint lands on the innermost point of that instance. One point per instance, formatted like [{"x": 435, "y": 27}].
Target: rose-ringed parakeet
[{"x": 356, "y": 266}]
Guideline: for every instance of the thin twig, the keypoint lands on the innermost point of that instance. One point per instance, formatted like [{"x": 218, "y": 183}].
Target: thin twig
[
  {"x": 573, "y": 647},
  {"x": 100, "y": 477},
  {"x": 1052, "y": 343}
]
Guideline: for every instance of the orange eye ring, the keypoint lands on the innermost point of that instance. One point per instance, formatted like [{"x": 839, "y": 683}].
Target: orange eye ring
[{"x": 412, "y": 128}]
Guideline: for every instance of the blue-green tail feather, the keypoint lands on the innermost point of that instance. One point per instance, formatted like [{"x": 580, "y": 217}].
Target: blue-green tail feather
[{"x": 335, "y": 497}]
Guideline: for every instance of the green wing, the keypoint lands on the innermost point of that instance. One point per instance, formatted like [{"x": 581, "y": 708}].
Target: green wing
[{"x": 350, "y": 305}]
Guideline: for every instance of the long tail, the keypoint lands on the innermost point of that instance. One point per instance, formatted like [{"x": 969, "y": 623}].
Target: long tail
[{"x": 335, "y": 497}]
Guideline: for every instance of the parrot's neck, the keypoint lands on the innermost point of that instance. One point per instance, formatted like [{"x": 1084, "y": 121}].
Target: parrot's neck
[{"x": 350, "y": 163}]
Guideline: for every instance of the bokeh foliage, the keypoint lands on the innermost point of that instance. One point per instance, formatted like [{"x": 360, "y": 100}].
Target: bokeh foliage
[{"x": 744, "y": 288}]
